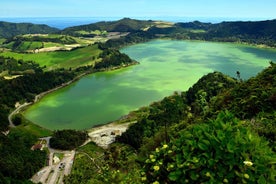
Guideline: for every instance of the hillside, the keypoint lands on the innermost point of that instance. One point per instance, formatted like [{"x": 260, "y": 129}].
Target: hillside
[
  {"x": 123, "y": 25},
  {"x": 256, "y": 32},
  {"x": 8, "y": 29},
  {"x": 257, "y": 29},
  {"x": 193, "y": 137}
]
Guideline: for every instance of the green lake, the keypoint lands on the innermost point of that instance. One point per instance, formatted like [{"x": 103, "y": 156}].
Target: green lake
[{"x": 165, "y": 66}]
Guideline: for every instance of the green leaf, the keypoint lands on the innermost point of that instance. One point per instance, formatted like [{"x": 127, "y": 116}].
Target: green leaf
[
  {"x": 202, "y": 146},
  {"x": 262, "y": 180},
  {"x": 220, "y": 135},
  {"x": 230, "y": 147},
  {"x": 173, "y": 176},
  {"x": 194, "y": 175}
]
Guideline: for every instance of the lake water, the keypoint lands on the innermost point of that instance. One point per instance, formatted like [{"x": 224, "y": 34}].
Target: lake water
[{"x": 165, "y": 66}]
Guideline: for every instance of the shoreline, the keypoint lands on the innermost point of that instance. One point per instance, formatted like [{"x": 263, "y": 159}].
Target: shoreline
[{"x": 42, "y": 94}]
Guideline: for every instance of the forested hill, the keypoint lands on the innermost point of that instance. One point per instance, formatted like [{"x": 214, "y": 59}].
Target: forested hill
[
  {"x": 248, "y": 30},
  {"x": 123, "y": 25},
  {"x": 8, "y": 29},
  {"x": 259, "y": 28},
  {"x": 253, "y": 32}
]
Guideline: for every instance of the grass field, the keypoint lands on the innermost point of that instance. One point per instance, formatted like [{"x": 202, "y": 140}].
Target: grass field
[
  {"x": 34, "y": 129},
  {"x": 29, "y": 46},
  {"x": 60, "y": 59},
  {"x": 2, "y": 40},
  {"x": 95, "y": 32},
  {"x": 52, "y": 44}
]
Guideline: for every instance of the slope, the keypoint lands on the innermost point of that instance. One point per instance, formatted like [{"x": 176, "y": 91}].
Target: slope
[{"x": 8, "y": 29}]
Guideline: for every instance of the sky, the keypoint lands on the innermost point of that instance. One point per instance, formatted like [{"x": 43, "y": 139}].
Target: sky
[{"x": 139, "y": 8}]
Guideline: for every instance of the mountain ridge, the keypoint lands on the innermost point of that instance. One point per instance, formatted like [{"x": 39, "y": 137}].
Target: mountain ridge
[{"x": 8, "y": 29}]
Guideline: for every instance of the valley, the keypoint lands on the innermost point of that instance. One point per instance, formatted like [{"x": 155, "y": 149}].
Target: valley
[{"x": 196, "y": 86}]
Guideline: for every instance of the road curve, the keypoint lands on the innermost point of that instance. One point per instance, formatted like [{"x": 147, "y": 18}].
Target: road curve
[{"x": 15, "y": 112}]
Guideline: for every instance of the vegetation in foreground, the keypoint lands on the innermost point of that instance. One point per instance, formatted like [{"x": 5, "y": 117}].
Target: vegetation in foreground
[{"x": 198, "y": 136}]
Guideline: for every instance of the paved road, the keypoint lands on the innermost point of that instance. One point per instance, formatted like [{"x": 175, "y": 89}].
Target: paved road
[
  {"x": 15, "y": 112},
  {"x": 55, "y": 172}
]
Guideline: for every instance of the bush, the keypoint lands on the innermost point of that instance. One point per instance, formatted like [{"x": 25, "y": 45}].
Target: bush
[
  {"x": 68, "y": 139},
  {"x": 221, "y": 151}
]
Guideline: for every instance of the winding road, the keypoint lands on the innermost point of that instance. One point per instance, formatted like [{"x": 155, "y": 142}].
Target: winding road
[{"x": 17, "y": 110}]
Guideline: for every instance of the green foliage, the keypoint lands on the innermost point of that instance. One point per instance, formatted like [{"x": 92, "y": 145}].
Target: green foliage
[
  {"x": 4, "y": 117},
  {"x": 132, "y": 38},
  {"x": 123, "y": 25},
  {"x": 162, "y": 114},
  {"x": 94, "y": 165},
  {"x": 68, "y": 139},
  {"x": 264, "y": 124},
  {"x": 8, "y": 30},
  {"x": 17, "y": 67},
  {"x": 60, "y": 59},
  {"x": 251, "y": 97},
  {"x": 17, "y": 119},
  {"x": 26, "y": 87},
  {"x": 259, "y": 32},
  {"x": 30, "y": 43},
  {"x": 32, "y": 128},
  {"x": 195, "y": 152},
  {"x": 112, "y": 58},
  {"x": 207, "y": 87},
  {"x": 220, "y": 151},
  {"x": 17, "y": 161},
  {"x": 88, "y": 160}
]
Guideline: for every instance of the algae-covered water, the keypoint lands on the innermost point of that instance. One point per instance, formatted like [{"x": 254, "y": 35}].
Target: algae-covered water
[{"x": 165, "y": 66}]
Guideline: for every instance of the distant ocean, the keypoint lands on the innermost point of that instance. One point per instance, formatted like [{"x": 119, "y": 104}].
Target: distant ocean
[{"x": 64, "y": 22}]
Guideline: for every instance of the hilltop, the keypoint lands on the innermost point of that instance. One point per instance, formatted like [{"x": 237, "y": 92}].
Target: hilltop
[
  {"x": 123, "y": 25},
  {"x": 8, "y": 29}
]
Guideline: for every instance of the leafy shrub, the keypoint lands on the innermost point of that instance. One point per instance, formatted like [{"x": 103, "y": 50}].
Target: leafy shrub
[
  {"x": 221, "y": 151},
  {"x": 68, "y": 139}
]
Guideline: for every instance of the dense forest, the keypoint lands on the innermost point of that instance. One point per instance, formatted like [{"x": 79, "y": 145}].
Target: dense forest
[
  {"x": 123, "y": 25},
  {"x": 18, "y": 162},
  {"x": 112, "y": 58},
  {"x": 8, "y": 29},
  {"x": 68, "y": 139}
]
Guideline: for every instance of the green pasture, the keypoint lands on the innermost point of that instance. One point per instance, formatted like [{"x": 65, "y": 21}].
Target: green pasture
[
  {"x": 33, "y": 129},
  {"x": 29, "y": 45},
  {"x": 2, "y": 40},
  {"x": 96, "y": 32},
  {"x": 60, "y": 59},
  {"x": 197, "y": 31},
  {"x": 52, "y": 44}
]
